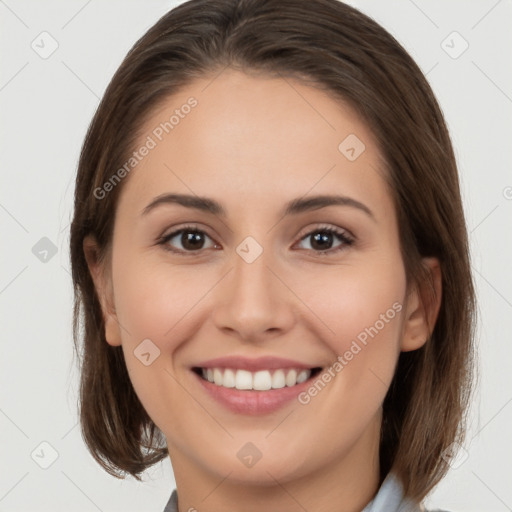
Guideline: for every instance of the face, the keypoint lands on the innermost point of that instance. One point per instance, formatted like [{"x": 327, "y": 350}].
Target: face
[{"x": 291, "y": 264}]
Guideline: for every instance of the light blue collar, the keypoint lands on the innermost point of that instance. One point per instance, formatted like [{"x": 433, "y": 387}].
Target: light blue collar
[{"x": 389, "y": 498}]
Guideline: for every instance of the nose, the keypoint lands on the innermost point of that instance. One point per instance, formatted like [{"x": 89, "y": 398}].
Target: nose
[{"x": 253, "y": 301}]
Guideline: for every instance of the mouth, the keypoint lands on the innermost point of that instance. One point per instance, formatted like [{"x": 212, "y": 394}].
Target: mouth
[{"x": 261, "y": 380}]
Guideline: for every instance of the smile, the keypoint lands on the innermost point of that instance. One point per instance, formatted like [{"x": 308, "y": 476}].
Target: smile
[{"x": 261, "y": 380}]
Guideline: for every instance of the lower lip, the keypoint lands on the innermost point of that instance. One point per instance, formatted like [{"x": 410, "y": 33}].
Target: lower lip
[{"x": 250, "y": 402}]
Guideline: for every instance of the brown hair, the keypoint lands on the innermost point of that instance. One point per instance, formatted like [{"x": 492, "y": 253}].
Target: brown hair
[{"x": 326, "y": 44}]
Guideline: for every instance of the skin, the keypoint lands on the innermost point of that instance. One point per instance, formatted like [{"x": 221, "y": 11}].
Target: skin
[{"x": 254, "y": 143}]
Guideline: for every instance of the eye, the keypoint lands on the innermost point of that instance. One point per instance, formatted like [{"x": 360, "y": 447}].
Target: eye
[
  {"x": 322, "y": 238},
  {"x": 191, "y": 239}
]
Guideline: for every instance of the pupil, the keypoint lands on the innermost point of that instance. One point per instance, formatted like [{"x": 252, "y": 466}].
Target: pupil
[
  {"x": 191, "y": 240},
  {"x": 320, "y": 239}
]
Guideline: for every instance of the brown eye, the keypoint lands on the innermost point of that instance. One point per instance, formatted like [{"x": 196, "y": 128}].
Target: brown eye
[
  {"x": 322, "y": 240},
  {"x": 186, "y": 240}
]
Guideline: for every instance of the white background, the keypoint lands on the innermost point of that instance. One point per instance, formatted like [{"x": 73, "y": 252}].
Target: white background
[{"x": 46, "y": 106}]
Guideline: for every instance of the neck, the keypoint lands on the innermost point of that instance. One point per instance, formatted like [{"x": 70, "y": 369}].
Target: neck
[{"x": 347, "y": 484}]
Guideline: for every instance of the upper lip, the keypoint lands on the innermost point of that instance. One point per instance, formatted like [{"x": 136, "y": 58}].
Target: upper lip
[{"x": 260, "y": 363}]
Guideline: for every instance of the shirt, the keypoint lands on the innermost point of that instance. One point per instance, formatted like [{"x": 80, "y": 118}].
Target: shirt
[{"x": 389, "y": 498}]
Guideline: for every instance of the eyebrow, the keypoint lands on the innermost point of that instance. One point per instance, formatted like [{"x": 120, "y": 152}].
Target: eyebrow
[{"x": 295, "y": 206}]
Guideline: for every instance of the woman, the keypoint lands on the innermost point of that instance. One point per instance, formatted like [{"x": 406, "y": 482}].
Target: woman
[{"x": 270, "y": 256}]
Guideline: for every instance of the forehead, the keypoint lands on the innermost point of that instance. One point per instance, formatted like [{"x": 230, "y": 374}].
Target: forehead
[{"x": 258, "y": 137}]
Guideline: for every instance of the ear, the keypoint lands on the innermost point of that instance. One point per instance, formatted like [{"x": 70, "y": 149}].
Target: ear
[
  {"x": 423, "y": 303},
  {"x": 103, "y": 286}
]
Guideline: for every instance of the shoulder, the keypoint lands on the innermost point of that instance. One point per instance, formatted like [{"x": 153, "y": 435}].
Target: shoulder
[
  {"x": 390, "y": 498},
  {"x": 424, "y": 509},
  {"x": 172, "y": 504}
]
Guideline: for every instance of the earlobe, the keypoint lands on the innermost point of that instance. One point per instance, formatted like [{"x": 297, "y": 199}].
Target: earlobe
[
  {"x": 112, "y": 330},
  {"x": 103, "y": 290},
  {"x": 423, "y": 304}
]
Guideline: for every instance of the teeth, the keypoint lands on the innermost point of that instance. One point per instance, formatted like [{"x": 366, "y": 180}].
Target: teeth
[
  {"x": 303, "y": 376},
  {"x": 262, "y": 380},
  {"x": 278, "y": 380},
  {"x": 243, "y": 380},
  {"x": 229, "y": 380},
  {"x": 218, "y": 377},
  {"x": 291, "y": 378}
]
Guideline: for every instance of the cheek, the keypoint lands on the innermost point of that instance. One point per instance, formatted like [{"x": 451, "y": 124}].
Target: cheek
[
  {"x": 159, "y": 303},
  {"x": 359, "y": 302},
  {"x": 361, "y": 321},
  {"x": 153, "y": 299}
]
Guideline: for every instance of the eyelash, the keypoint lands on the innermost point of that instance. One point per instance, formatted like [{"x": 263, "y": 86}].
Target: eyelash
[{"x": 341, "y": 234}]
